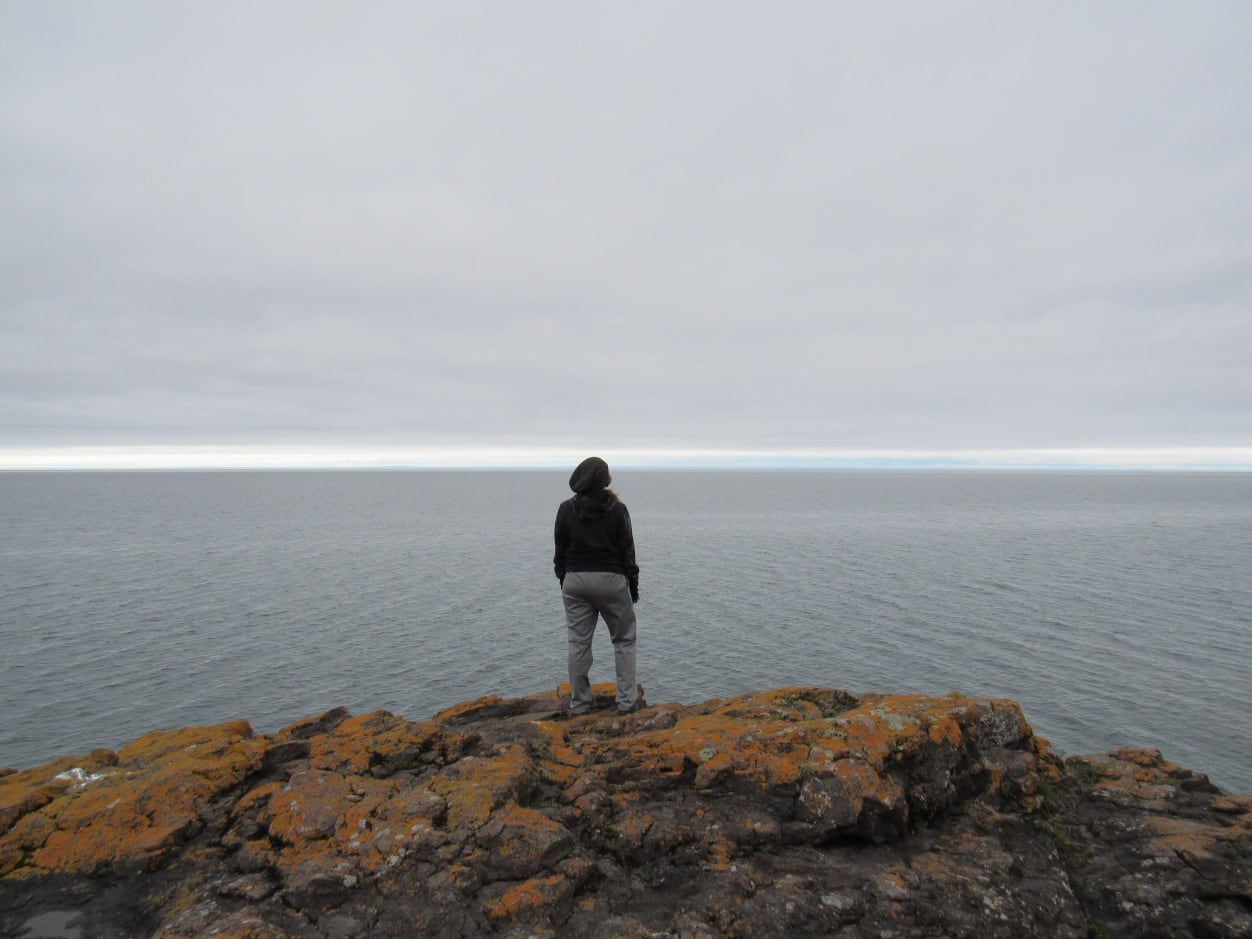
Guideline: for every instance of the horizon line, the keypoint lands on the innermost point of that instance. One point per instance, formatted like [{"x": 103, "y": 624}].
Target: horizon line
[{"x": 381, "y": 457}]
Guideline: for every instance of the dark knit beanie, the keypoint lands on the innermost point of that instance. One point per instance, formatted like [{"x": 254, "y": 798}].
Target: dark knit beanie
[{"x": 591, "y": 475}]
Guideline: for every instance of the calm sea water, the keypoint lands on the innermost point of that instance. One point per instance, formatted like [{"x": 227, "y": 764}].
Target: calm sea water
[{"x": 1117, "y": 608}]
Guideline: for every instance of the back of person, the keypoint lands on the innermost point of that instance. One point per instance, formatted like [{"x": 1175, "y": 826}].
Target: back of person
[{"x": 595, "y": 564}]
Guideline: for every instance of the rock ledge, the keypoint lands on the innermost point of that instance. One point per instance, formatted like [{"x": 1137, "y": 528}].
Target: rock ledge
[{"x": 792, "y": 812}]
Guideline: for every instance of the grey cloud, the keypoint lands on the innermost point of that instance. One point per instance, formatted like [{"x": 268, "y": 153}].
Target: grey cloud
[{"x": 970, "y": 224}]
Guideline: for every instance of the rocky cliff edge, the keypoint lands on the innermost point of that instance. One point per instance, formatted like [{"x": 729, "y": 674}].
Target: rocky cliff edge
[{"x": 792, "y": 812}]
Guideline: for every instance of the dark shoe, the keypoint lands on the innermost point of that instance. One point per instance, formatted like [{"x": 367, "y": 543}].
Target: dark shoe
[{"x": 630, "y": 710}]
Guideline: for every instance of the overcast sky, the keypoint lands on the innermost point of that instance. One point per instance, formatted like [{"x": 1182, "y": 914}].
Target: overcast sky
[{"x": 602, "y": 226}]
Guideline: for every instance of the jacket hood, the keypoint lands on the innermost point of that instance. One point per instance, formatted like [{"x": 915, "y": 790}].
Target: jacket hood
[{"x": 593, "y": 504}]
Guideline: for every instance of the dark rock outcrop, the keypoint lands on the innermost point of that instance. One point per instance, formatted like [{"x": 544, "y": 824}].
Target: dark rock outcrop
[{"x": 794, "y": 812}]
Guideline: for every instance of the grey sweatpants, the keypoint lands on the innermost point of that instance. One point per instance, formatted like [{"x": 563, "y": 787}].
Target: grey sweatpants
[{"x": 588, "y": 595}]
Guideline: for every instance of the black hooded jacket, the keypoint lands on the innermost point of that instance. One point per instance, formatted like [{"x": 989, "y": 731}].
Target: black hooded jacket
[{"x": 593, "y": 533}]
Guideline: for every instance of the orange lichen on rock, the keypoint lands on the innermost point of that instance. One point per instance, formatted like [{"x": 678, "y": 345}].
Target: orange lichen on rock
[
  {"x": 1133, "y": 773},
  {"x": 381, "y": 738},
  {"x": 561, "y": 760},
  {"x": 529, "y": 898},
  {"x": 846, "y": 759},
  {"x": 27, "y": 790},
  {"x": 475, "y": 786},
  {"x": 786, "y": 736},
  {"x": 326, "y": 816},
  {"x": 134, "y": 806},
  {"x": 731, "y": 817},
  {"x": 518, "y": 842}
]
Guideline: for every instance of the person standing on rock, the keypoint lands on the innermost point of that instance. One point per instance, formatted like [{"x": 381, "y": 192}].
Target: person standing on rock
[{"x": 595, "y": 563}]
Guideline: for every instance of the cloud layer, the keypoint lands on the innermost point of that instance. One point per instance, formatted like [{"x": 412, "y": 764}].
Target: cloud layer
[{"x": 710, "y": 225}]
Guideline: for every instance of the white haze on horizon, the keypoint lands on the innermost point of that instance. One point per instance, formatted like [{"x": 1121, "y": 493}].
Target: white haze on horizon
[{"x": 1226, "y": 459}]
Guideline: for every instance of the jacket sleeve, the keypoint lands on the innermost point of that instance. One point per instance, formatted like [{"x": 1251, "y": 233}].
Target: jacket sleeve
[
  {"x": 561, "y": 537},
  {"x": 626, "y": 550}
]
